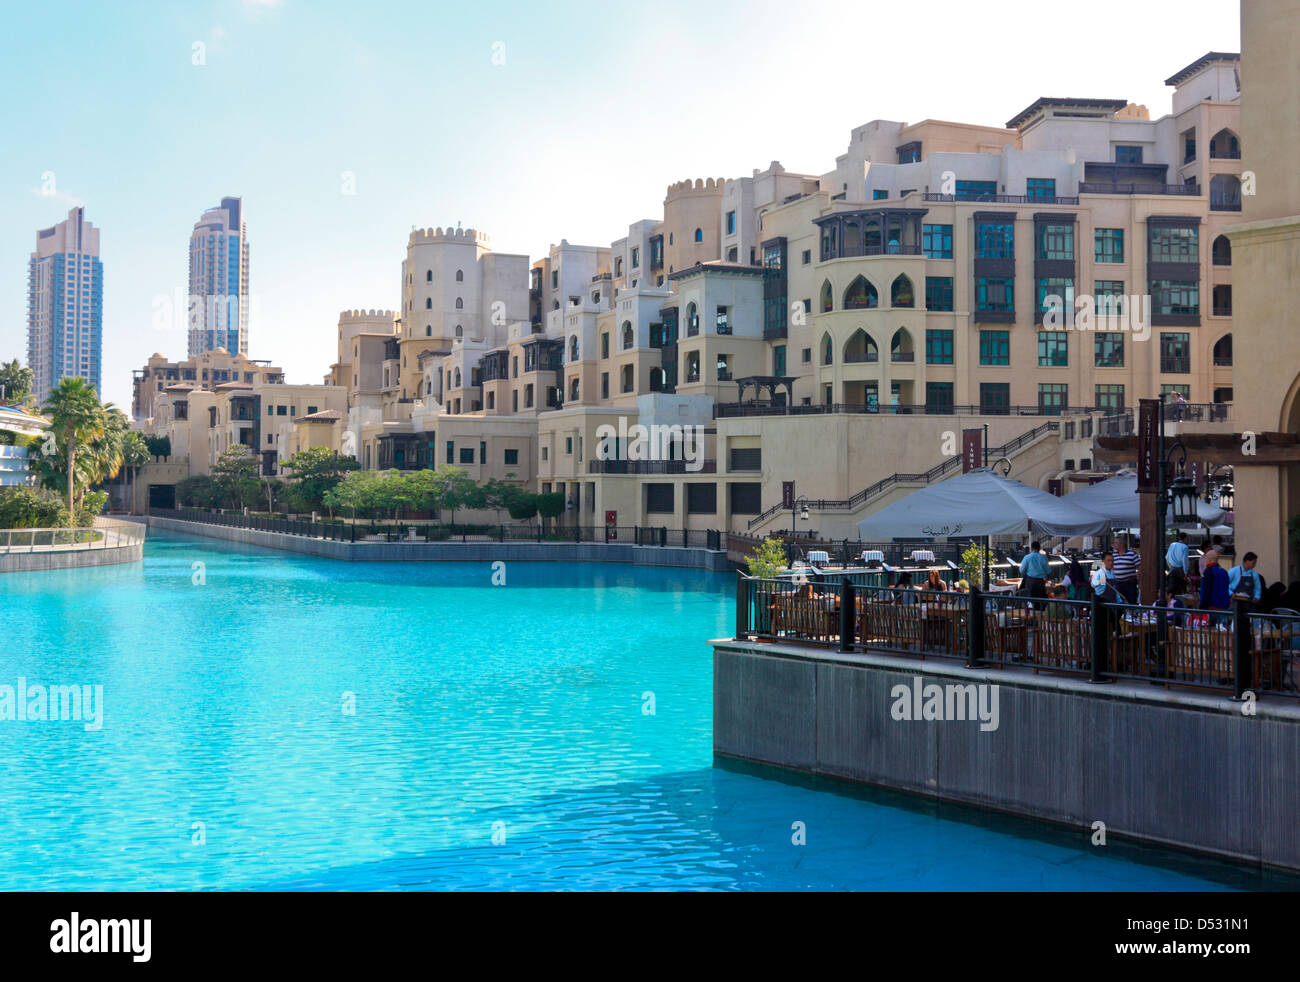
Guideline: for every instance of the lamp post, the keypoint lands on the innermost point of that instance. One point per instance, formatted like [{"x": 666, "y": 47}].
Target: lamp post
[
  {"x": 798, "y": 510},
  {"x": 1177, "y": 497}
]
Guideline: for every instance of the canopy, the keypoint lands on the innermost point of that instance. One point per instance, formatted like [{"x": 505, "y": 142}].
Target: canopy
[
  {"x": 977, "y": 503},
  {"x": 1116, "y": 499}
]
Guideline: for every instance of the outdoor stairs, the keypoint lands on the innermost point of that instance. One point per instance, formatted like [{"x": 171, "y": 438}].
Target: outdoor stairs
[{"x": 947, "y": 468}]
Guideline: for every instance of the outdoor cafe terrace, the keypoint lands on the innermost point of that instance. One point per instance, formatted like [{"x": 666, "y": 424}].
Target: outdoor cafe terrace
[{"x": 1231, "y": 652}]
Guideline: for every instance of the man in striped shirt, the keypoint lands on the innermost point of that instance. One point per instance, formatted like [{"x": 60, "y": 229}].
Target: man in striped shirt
[{"x": 1127, "y": 566}]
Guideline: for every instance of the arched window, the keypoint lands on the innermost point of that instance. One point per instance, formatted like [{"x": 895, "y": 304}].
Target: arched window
[
  {"x": 460, "y": 331},
  {"x": 456, "y": 384},
  {"x": 900, "y": 293},
  {"x": 460, "y": 304},
  {"x": 460, "y": 276},
  {"x": 828, "y": 350},
  {"x": 1223, "y": 352},
  {"x": 1221, "y": 251},
  {"x": 428, "y": 276},
  {"x": 573, "y": 348},
  {"x": 699, "y": 235},
  {"x": 828, "y": 297},
  {"x": 860, "y": 348},
  {"x": 573, "y": 388},
  {"x": 428, "y": 303},
  {"x": 900, "y": 346},
  {"x": 861, "y": 295},
  {"x": 428, "y": 330},
  {"x": 628, "y": 336},
  {"x": 692, "y": 320},
  {"x": 1225, "y": 192},
  {"x": 1224, "y": 145}
]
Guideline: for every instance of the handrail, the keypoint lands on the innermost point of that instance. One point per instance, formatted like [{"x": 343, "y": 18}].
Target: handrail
[
  {"x": 104, "y": 534},
  {"x": 926, "y": 477}
]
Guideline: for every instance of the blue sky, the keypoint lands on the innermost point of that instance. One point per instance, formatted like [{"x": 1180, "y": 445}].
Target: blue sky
[{"x": 596, "y": 109}]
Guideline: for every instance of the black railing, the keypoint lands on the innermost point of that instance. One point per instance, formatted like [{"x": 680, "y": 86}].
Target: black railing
[
  {"x": 1138, "y": 187},
  {"x": 1227, "y": 652},
  {"x": 650, "y": 467},
  {"x": 731, "y": 410},
  {"x": 1006, "y": 199},
  {"x": 400, "y": 530}
]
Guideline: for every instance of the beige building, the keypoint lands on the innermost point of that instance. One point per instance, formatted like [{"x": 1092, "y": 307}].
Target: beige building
[{"x": 203, "y": 372}]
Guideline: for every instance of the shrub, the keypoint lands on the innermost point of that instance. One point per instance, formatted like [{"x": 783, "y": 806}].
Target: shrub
[
  {"x": 32, "y": 508},
  {"x": 768, "y": 559}
]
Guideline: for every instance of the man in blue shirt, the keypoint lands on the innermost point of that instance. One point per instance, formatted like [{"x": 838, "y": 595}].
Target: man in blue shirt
[
  {"x": 1033, "y": 572},
  {"x": 1176, "y": 557},
  {"x": 1243, "y": 581},
  {"x": 1214, "y": 584}
]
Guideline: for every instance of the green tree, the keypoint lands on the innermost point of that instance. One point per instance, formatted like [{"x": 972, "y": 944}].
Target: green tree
[
  {"x": 200, "y": 491},
  {"x": 236, "y": 473},
  {"x": 354, "y": 493},
  {"x": 551, "y": 504},
  {"x": 16, "y": 382},
  {"x": 76, "y": 421},
  {"x": 159, "y": 446},
  {"x": 768, "y": 559},
  {"x": 32, "y": 508},
  {"x": 497, "y": 495},
  {"x": 456, "y": 490},
  {"x": 135, "y": 454},
  {"x": 522, "y": 505},
  {"x": 314, "y": 472}
]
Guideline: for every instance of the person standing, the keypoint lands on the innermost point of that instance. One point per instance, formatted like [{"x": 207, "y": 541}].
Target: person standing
[
  {"x": 1128, "y": 565},
  {"x": 1214, "y": 584},
  {"x": 1033, "y": 572},
  {"x": 1244, "y": 582},
  {"x": 1176, "y": 556},
  {"x": 1103, "y": 579}
]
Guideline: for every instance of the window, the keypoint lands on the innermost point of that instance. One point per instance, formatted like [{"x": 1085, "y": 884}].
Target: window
[
  {"x": 573, "y": 388},
  {"x": 628, "y": 336},
  {"x": 1221, "y": 251},
  {"x": 938, "y": 347},
  {"x": 1222, "y": 351},
  {"x": 723, "y": 326},
  {"x": 692, "y": 320},
  {"x": 451, "y": 452},
  {"x": 900, "y": 292},
  {"x": 746, "y": 498},
  {"x": 604, "y": 385},
  {"x": 528, "y": 396},
  {"x": 1175, "y": 353},
  {"x": 995, "y": 293},
  {"x": 467, "y": 455},
  {"x": 1189, "y": 146},
  {"x": 1128, "y": 154},
  {"x": 995, "y": 398},
  {"x": 1039, "y": 188},
  {"x": 879, "y": 194},
  {"x": 514, "y": 401},
  {"x": 724, "y": 369},
  {"x": 995, "y": 347},
  {"x": 618, "y": 266},
  {"x": 732, "y": 254},
  {"x": 1108, "y": 349},
  {"x": 1180, "y": 298},
  {"x": 731, "y": 223},
  {"x": 659, "y": 499},
  {"x": 1053, "y": 397},
  {"x": 636, "y": 257},
  {"x": 514, "y": 366},
  {"x": 936, "y": 241},
  {"x": 778, "y": 360},
  {"x": 627, "y": 378},
  {"x": 938, "y": 293},
  {"x": 1055, "y": 241},
  {"x": 807, "y": 256},
  {"x": 573, "y": 348},
  {"x": 693, "y": 366},
  {"x": 828, "y": 350},
  {"x": 1173, "y": 245},
  {"x": 428, "y": 303},
  {"x": 1053, "y": 349},
  {"x": 568, "y": 446},
  {"x": 460, "y": 276},
  {"x": 995, "y": 240},
  {"x": 977, "y": 190},
  {"x": 861, "y": 295},
  {"x": 1108, "y": 298},
  {"x": 699, "y": 235},
  {"x": 806, "y": 356},
  {"x": 1110, "y": 399},
  {"x": 702, "y": 499},
  {"x": 428, "y": 276},
  {"x": 546, "y": 453},
  {"x": 828, "y": 298},
  {"x": 604, "y": 345},
  {"x": 938, "y": 398},
  {"x": 1056, "y": 293}
]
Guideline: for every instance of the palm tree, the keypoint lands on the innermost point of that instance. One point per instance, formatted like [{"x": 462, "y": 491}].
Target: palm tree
[
  {"x": 136, "y": 455},
  {"x": 107, "y": 452},
  {"x": 76, "y": 418}
]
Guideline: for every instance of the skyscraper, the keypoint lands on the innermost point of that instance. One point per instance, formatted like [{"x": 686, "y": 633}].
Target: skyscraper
[
  {"x": 218, "y": 298},
  {"x": 65, "y": 293}
]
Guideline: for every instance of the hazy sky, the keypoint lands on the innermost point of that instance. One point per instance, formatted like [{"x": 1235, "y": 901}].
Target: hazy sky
[{"x": 595, "y": 110}]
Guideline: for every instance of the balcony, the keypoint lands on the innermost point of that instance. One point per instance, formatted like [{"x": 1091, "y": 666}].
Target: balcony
[
  {"x": 902, "y": 356},
  {"x": 1005, "y": 199},
  {"x": 649, "y": 467},
  {"x": 1222, "y": 310},
  {"x": 776, "y": 333},
  {"x": 1175, "y": 366},
  {"x": 1226, "y": 204},
  {"x": 861, "y": 357},
  {"x": 1138, "y": 187},
  {"x": 1223, "y": 361}
]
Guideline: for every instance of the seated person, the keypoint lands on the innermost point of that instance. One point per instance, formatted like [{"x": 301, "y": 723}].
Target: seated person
[
  {"x": 907, "y": 594},
  {"x": 1172, "y": 602},
  {"x": 934, "y": 581},
  {"x": 1056, "y": 609}
]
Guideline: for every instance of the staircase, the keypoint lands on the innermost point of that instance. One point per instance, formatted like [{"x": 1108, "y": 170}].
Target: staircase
[{"x": 936, "y": 473}]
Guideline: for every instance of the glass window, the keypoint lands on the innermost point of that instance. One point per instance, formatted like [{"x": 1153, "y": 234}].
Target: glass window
[
  {"x": 1108, "y": 245},
  {"x": 938, "y": 397},
  {"x": 1110, "y": 398},
  {"x": 936, "y": 241},
  {"x": 1053, "y": 397},
  {"x": 1056, "y": 241},
  {"x": 1175, "y": 352},
  {"x": 1108, "y": 349},
  {"x": 995, "y": 240},
  {"x": 731, "y": 223},
  {"x": 1053, "y": 349},
  {"x": 938, "y": 347},
  {"x": 995, "y": 398},
  {"x": 938, "y": 293},
  {"x": 977, "y": 190},
  {"x": 1056, "y": 292},
  {"x": 1128, "y": 155},
  {"x": 512, "y": 457},
  {"x": 995, "y": 347},
  {"x": 995, "y": 293},
  {"x": 1108, "y": 298},
  {"x": 1038, "y": 188},
  {"x": 1177, "y": 297},
  {"x": 1173, "y": 245}
]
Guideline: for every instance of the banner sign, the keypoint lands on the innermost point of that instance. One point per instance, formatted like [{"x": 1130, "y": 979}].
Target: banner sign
[
  {"x": 972, "y": 449},
  {"x": 1148, "y": 451}
]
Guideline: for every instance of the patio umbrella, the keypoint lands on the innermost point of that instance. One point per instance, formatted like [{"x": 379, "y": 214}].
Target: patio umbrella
[
  {"x": 1116, "y": 499},
  {"x": 977, "y": 503}
]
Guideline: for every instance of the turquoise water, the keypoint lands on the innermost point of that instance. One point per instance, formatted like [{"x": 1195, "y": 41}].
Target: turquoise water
[{"x": 554, "y": 732}]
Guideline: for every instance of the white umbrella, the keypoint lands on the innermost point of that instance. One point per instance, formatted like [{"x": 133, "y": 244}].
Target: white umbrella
[
  {"x": 978, "y": 503},
  {"x": 1117, "y": 500}
]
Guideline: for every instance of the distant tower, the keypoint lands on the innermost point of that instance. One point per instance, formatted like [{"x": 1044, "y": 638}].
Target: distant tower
[
  {"x": 218, "y": 314},
  {"x": 65, "y": 294}
]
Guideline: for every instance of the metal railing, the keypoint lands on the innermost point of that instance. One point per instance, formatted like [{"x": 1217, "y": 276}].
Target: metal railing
[
  {"x": 399, "y": 530},
  {"x": 1004, "y": 199},
  {"x": 1227, "y": 652},
  {"x": 104, "y": 534},
  {"x": 1138, "y": 187}
]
